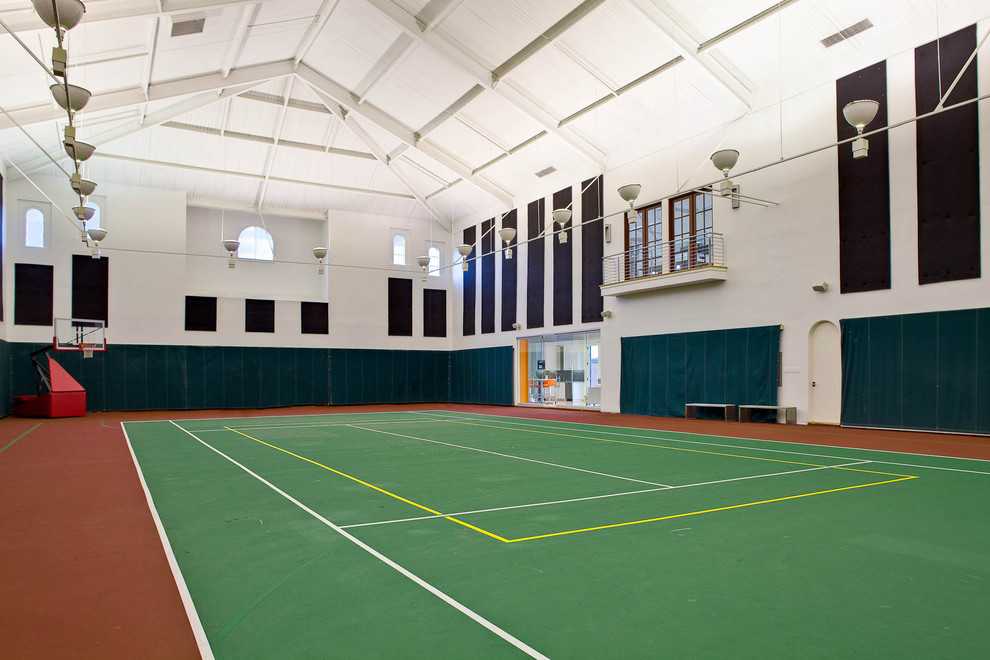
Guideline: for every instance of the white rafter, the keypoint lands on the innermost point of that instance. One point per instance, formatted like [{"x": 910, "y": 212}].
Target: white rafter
[
  {"x": 273, "y": 149},
  {"x": 483, "y": 76},
  {"x": 237, "y": 41},
  {"x": 347, "y": 99},
  {"x": 315, "y": 28}
]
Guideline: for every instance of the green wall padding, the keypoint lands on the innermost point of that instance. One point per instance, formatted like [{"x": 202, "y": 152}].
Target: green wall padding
[
  {"x": 482, "y": 375},
  {"x": 660, "y": 373},
  {"x": 359, "y": 376},
  {"x": 6, "y": 380},
  {"x": 918, "y": 371}
]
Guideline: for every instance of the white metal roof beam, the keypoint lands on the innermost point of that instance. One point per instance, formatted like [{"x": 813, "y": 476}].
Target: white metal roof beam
[
  {"x": 264, "y": 139},
  {"x": 156, "y": 92},
  {"x": 26, "y": 19},
  {"x": 661, "y": 14},
  {"x": 436, "y": 12},
  {"x": 315, "y": 29},
  {"x": 398, "y": 51},
  {"x": 236, "y": 43},
  {"x": 480, "y": 74},
  {"x": 273, "y": 150},
  {"x": 339, "y": 94},
  {"x": 292, "y": 213},
  {"x": 753, "y": 20},
  {"x": 255, "y": 177}
]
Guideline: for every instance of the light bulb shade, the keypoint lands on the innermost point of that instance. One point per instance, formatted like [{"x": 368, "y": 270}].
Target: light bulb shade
[
  {"x": 464, "y": 250},
  {"x": 70, "y": 12},
  {"x": 97, "y": 234},
  {"x": 319, "y": 252},
  {"x": 75, "y": 100},
  {"x": 82, "y": 186},
  {"x": 725, "y": 160},
  {"x": 231, "y": 245},
  {"x": 79, "y": 150},
  {"x": 423, "y": 261},
  {"x": 84, "y": 212},
  {"x": 561, "y": 216},
  {"x": 630, "y": 192},
  {"x": 860, "y": 113},
  {"x": 507, "y": 234}
]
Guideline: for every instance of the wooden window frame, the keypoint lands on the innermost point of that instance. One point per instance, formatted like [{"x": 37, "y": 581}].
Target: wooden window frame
[{"x": 691, "y": 236}]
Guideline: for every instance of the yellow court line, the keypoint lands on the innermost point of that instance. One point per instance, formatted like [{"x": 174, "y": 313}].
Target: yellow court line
[
  {"x": 695, "y": 451},
  {"x": 372, "y": 486},
  {"x": 696, "y": 513}
]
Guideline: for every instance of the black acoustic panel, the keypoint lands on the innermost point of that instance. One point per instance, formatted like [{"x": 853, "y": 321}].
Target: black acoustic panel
[
  {"x": 535, "y": 263},
  {"x": 948, "y": 161},
  {"x": 509, "y": 274},
  {"x": 34, "y": 286},
  {"x": 399, "y": 307},
  {"x": 434, "y": 313},
  {"x": 314, "y": 318},
  {"x": 259, "y": 315},
  {"x": 488, "y": 276},
  {"x": 592, "y": 249},
  {"x": 201, "y": 313},
  {"x": 90, "y": 288},
  {"x": 864, "y": 188},
  {"x": 468, "y": 325},
  {"x": 563, "y": 265}
]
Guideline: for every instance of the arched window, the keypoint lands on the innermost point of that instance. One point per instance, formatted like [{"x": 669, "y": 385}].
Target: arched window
[
  {"x": 434, "y": 267},
  {"x": 95, "y": 222},
  {"x": 34, "y": 228},
  {"x": 399, "y": 250},
  {"x": 256, "y": 243}
]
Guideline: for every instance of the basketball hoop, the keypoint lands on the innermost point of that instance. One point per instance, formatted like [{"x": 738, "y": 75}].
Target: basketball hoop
[{"x": 87, "y": 349}]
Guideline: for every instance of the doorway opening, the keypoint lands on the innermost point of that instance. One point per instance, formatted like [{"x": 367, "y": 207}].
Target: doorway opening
[{"x": 562, "y": 370}]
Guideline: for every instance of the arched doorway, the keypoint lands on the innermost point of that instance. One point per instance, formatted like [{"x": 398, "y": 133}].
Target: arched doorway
[{"x": 825, "y": 371}]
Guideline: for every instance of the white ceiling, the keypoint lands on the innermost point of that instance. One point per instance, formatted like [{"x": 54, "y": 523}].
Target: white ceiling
[{"x": 420, "y": 108}]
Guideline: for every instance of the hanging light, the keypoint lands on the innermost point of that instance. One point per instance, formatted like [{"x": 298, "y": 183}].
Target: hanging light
[
  {"x": 78, "y": 151},
  {"x": 319, "y": 253},
  {"x": 97, "y": 235},
  {"x": 70, "y": 12},
  {"x": 82, "y": 187},
  {"x": 423, "y": 262},
  {"x": 629, "y": 193},
  {"x": 464, "y": 251},
  {"x": 231, "y": 245},
  {"x": 507, "y": 234},
  {"x": 724, "y": 161},
  {"x": 859, "y": 114},
  {"x": 74, "y": 100},
  {"x": 562, "y": 217}
]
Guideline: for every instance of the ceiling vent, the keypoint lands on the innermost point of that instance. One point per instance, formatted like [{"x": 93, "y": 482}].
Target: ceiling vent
[
  {"x": 544, "y": 172},
  {"x": 188, "y": 24},
  {"x": 849, "y": 32}
]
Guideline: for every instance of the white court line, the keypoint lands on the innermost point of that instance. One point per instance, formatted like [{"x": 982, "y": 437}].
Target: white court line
[
  {"x": 187, "y": 603},
  {"x": 522, "y": 646},
  {"x": 518, "y": 458},
  {"x": 716, "y": 444},
  {"x": 598, "y": 497},
  {"x": 222, "y": 419}
]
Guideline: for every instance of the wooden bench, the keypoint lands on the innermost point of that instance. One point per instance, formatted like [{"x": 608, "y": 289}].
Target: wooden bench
[
  {"x": 790, "y": 412},
  {"x": 691, "y": 410}
]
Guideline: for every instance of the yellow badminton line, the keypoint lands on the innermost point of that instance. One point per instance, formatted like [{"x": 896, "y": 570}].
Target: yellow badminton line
[
  {"x": 372, "y": 486},
  {"x": 698, "y": 513},
  {"x": 694, "y": 451}
]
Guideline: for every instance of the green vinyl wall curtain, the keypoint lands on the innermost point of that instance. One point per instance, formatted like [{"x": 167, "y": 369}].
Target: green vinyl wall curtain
[
  {"x": 660, "y": 373},
  {"x": 143, "y": 377},
  {"x": 918, "y": 371}
]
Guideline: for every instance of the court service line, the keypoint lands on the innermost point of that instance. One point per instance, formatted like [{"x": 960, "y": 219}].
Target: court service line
[
  {"x": 199, "y": 633},
  {"x": 527, "y": 428},
  {"x": 506, "y": 420},
  {"x": 518, "y": 458},
  {"x": 594, "y": 497},
  {"x": 463, "y": 609},
  {"x": 275, "y": 427},
  {"x": 372, "y": 486}
]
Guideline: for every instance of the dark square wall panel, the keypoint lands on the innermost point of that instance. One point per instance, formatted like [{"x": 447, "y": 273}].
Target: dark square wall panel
[
  {"x": 488, "y": 276},
  {"x": 948, "y": 161},
  {"x": 434, "y": 313},
  {"x": 314, "y": 318},
  {"x": 201, "y": 313},
  {"x": 864, "y": 188},
  {"x": 535, "y": 259},
  {"x": 592, "y": 249},
  {"x": 563, "y": 264},
  {"x": 33, "y": 294},
  {"x": 259, "y": 315},
  {"x": 468, "y": 279}
]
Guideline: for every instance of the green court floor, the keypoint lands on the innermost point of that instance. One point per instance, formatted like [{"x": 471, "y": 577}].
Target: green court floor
[{"x": 454, "y": 535}]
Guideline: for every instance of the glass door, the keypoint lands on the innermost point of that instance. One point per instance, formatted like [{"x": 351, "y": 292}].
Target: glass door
[{"x": 560, "y": 370}]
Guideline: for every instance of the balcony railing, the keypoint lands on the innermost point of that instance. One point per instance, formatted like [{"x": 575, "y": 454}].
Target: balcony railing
[{"x": 655, "y": 264}]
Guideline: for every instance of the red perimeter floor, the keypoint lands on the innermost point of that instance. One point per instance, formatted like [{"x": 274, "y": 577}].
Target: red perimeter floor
[{"x": 83, "y": 568}]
